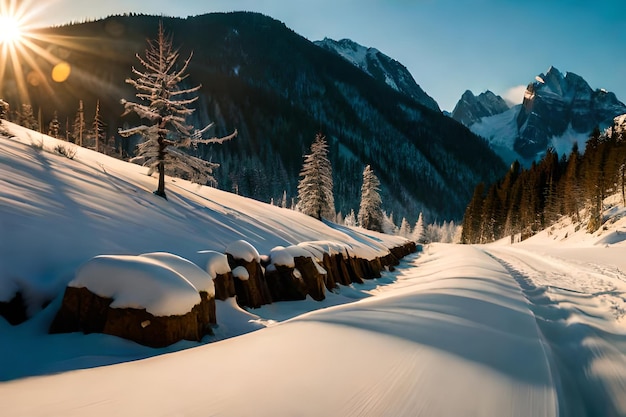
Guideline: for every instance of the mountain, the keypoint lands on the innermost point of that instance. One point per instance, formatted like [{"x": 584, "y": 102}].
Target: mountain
[
  {"x": 278, "y": 89},
  {"x": 554, "y": 102},
  {"x": 558, "y": 110},
  {"x": 470, "y": 108},
  {"x": 381, "y": 67}
]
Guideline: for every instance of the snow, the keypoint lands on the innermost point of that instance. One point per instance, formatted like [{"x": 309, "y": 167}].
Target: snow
[
  {"x": 243, "y": 250},
  {"x": 138, "y": 282},
  {"x": 285, "y": 256},
  {"x": 563, "y": 144},
  {"x": 57, "y": 213},
  {"x": 455, "y": 335},
  {"x": 501, "y": 132},
  {"x": 216, "y": 263},
  {"x": 241, "y": 273},
  {"x": 190, "y": 271},
  {"x": 531, "y": 329}
]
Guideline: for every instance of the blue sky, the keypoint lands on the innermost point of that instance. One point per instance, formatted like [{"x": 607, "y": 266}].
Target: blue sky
[{"x": 448, "y": 45}]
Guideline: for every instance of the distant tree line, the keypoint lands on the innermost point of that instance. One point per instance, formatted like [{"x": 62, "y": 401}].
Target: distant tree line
[{"x": 526, "y": 201}]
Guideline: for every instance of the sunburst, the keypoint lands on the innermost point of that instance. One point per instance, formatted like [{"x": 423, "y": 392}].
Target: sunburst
[
  {"x": 10, "y": 29},
  {"x": 20, "y": 53}
]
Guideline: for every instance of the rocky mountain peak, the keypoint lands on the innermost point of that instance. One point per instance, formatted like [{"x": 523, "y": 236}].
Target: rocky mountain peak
[
  {"x": 381, "y": 67},
  {"x": 554, "y": 102},
  {"x": 470, "y": 108}
]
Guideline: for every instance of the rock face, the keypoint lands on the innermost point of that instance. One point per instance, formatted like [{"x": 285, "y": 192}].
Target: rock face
[
  {"x": 380, "y": 67},
  {"x": 470, "y": 108},
  {"x": 87, "y": 312},
  {"x": 554, "y": 102}
]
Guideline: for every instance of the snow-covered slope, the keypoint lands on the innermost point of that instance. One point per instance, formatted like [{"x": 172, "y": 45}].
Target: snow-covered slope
[
  {"x": 56, "y": 213},
  {"x": 381, "y": 67},
  {"x": 451, "y": 340},
  {"x": 531, "y": 329}
]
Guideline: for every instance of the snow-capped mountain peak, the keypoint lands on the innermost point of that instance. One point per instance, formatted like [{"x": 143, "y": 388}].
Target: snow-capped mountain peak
[
  {"x": 558, "y": 109},
  {"x": 470, "y": 108},
  {"x": 381, "y": 67}
]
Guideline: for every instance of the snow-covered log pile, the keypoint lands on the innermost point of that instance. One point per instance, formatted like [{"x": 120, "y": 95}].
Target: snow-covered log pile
[
  {"x": 311, "y": 267},
  {"x": 218, "y": 268},
  {"x": 250, "y": 285},
  {"x": 157, "y": 299},
  {"x": 154, "y": 299}
]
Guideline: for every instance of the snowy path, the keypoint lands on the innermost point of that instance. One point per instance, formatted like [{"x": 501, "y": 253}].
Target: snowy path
[
  {"x": 579, "y": 306},
  {"x": 455, "y": 336}
]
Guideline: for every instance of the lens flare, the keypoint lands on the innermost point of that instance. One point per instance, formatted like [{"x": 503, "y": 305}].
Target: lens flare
[{"x": 61, "y": 72}]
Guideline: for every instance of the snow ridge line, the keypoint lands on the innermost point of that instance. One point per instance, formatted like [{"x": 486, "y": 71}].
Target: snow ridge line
[{"x": 568, "y": 356}]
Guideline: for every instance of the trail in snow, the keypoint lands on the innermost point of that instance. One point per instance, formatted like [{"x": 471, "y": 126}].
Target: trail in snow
[
  {"x": 578, "y": 308},
  {"x": 456, "y": 338}
]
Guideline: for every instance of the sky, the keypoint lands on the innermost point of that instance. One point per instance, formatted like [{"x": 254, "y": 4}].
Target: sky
[{"x": 449, "y": 46}]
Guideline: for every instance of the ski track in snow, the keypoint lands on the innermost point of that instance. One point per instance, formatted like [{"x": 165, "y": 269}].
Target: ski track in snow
[{"x": 578, "y": 306}]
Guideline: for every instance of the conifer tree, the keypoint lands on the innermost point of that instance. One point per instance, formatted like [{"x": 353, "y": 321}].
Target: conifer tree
[
  {"x": 315, "y": 189},
  {"x": 26, "y": 117},
  {"x": 54, "y": 126},
  {"x": 405, "y": 228},
  {"x": 4, "y": 109},
  {"x": 79, "y": 124},
  {"x": 418, "y": 229},
  {"x": 98, "y": 129},
  {"x": 350, "y": 219},
  {"x": 370, "y": 211},
  {"x": 165, "y": 105},
  {"x": 389, "y": 224},
  {"x": 473, "y": 216}
]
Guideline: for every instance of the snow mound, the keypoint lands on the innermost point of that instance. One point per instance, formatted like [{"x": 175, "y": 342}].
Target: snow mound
[
  {"x": 285, "y": 256},
  {"x": 138, "y": 282},
  {"x": 241, "y": 273},
  {"x": 216, "y": 263},
  {"x": 243, "y": 250},
  {"x": 196, "y": 276}
]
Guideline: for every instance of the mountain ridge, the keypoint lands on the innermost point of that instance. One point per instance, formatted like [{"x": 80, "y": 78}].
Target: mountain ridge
[
  {"x": 557, "y": 111},
  {"x": 381, "y": 67},
  {"x": 424, "y": 160}
]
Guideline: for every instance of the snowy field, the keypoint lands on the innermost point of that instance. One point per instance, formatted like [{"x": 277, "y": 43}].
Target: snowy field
[{"x": 531, "y": 329}]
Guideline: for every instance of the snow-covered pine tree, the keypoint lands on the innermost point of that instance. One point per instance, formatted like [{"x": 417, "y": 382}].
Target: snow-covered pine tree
[
  {"x": 4, "y": 109},
  {"x": 370, "y": 211},
  {"x": 405, "y": 228},
  {"x": 418, "y": 230},
  {"x": 389, "y": 224},
  {"x": 165, "y": 105},
  {"x": 350, "y": 219},
  {"x": 54, "y": 126},
  {"x": 315, "y": 189}
]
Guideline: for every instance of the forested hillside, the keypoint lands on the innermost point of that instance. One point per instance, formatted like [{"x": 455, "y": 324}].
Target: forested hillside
[
  {"x": 526, "y": 201},
  {"x": 278, "y": 90}
]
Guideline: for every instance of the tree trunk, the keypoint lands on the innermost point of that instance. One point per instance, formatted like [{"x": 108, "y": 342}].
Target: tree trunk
[{"x": 161, "y": 187}]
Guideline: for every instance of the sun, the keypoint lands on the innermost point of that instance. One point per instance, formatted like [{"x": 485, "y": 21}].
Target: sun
[{"x": 10, "y": 29}]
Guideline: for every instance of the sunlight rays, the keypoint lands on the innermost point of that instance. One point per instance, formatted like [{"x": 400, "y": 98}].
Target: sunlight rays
[{"x": 25, "y": 61}]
